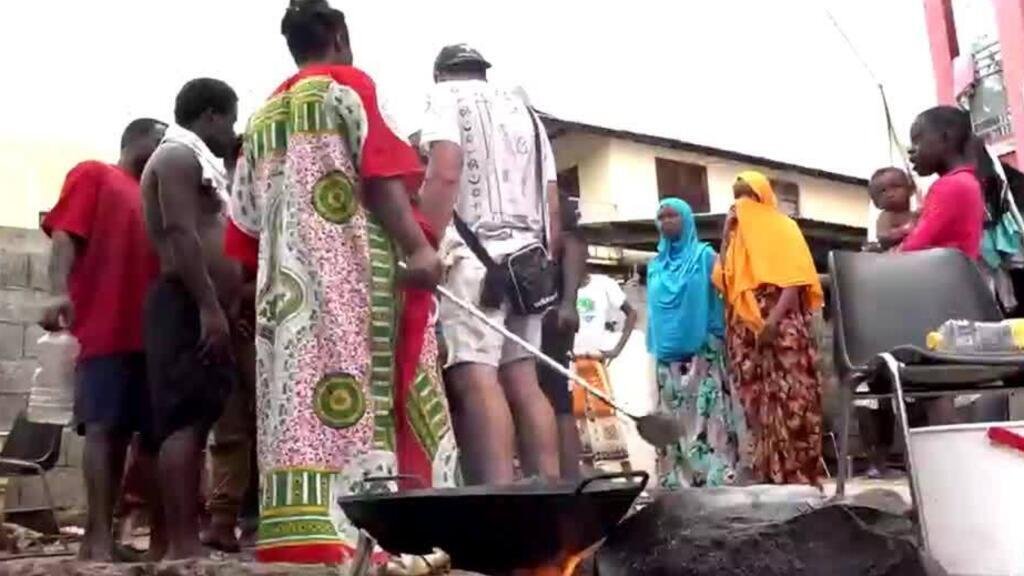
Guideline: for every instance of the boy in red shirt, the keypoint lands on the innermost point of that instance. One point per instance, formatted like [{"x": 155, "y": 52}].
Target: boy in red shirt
[
  {"x": 101, "y": 265},
  {"x": 954, "y": 211}
]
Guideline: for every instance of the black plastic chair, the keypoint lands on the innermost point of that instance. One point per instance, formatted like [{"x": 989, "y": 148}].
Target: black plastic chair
[
  {"x": 884, "y": 305},
  {"x": 32, "y": 449}
]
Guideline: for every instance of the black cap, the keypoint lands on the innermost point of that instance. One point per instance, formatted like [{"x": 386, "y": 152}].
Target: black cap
[{"x": 456, "y": 54}]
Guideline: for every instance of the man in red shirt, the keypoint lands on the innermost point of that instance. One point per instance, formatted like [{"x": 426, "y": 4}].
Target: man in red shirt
[
  {"x": 953, "y": 213},
  {"x": 101, "y": 265}
]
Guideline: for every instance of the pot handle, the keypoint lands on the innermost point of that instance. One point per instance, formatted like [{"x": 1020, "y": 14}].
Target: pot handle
[
  {"x": 640, "y": 475},
  {"x": 395, "y": 478}
]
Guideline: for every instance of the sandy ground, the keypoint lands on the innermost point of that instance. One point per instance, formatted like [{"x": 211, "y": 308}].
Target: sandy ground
[{"x": 859, "y": 486}]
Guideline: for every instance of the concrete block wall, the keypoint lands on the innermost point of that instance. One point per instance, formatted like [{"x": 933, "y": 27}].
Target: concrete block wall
[{"x": 24, "y": 255}]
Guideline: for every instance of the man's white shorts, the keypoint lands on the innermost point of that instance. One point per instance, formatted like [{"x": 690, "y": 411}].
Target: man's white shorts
[{"x": 468, "y": 339}]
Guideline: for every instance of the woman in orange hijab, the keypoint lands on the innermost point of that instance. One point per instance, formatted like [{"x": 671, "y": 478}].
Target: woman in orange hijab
[{"x": 767, "y": 277}]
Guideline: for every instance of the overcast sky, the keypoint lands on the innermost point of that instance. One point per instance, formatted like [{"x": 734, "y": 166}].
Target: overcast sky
[{"x": 771, "y": 78}]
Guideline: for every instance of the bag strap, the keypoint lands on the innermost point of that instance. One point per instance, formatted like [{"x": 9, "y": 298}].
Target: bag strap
[
  {"x": 538, "y": 168},
  {"x": 473, "y": 242},
  {"x": 467, "y": 235}
]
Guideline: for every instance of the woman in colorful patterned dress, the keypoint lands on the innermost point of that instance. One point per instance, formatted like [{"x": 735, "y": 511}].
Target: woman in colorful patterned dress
[
  {"x": 685, "y": 325},
  {"x": 771, "y": 289},
  {"x": 347, "y": 385}
]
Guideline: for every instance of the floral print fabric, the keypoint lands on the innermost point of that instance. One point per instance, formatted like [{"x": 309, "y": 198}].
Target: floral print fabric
[
  {"x": 780, "y": 391},
  {"x": 699, "y": 395}
]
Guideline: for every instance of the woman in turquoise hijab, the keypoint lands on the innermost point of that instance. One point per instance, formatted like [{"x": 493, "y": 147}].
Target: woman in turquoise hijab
[{"x": 685, "y": 327}]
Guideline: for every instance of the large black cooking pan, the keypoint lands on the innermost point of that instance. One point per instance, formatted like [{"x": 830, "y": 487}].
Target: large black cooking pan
[{"x": 497, "y": 528}]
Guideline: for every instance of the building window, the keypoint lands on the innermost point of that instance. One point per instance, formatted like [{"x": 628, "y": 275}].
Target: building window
[
  {"x": 788, "y": 195},
  {"x": 683, "y": 180},
  {"x": 569, "y": 182}
]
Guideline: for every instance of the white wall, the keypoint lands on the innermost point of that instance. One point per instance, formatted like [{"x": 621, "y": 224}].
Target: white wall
[
  {"x": 634, "y": 388},
  {"x": 634, "y": 385},
  {"x": 592, "y": 157},
  {"x": 618, "y": 181},
  {"x": 32, "y": 173}
]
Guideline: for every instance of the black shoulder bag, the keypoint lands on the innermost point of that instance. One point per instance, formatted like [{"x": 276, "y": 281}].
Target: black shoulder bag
[{"x": 527, "y": 278}]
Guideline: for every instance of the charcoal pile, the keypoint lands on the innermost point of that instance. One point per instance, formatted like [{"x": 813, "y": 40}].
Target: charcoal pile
[{"x": 681, "y": 535}]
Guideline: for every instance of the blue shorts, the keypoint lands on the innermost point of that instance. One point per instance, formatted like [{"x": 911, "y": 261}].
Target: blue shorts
[{"x": 111, "y": 392}]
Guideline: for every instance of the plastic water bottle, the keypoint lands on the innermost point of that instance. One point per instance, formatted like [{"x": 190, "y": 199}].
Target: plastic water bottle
[
  {"x": 52, "y": 395},
  {"x": 968, "y": 337}
]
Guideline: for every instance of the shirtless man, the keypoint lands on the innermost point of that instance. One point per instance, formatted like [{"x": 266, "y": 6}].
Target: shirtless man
[{"x": 188, "y": 342}]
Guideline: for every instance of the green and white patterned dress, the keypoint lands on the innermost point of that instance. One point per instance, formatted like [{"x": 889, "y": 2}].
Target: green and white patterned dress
[
  {"x": 327, "y": 312},
  {"x": 697, "y": 393}
]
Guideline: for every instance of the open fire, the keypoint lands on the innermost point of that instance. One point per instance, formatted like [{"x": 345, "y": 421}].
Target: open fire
[
  {"x": 544, "y": 525},
  {"x": 565, "y": 564}
]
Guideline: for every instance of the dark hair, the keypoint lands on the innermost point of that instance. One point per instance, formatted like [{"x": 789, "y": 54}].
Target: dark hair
[
  {"x": 957, "y": 123},
  {"x": 236, "y": 151},
  {"x": 139, "y": 128},
  {"x": 1014, "y": 183},
  {"x": 310, "y": 26},
  {"x": 202, "y": 94},
  {"x": 882, "y": 172},
  {"x": 991, "y": 182},
  {"x": 953, "y": 121}
]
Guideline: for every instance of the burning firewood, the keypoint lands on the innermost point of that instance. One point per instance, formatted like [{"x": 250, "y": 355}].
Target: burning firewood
[{"x": 434, "y": 563}]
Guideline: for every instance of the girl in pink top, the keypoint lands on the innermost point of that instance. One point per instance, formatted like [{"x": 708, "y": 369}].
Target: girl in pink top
[{"x": 954, "y": 212}]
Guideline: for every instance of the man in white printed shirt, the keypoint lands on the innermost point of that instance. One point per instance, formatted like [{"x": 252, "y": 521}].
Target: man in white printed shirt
[{"x": 481, "y": 142}]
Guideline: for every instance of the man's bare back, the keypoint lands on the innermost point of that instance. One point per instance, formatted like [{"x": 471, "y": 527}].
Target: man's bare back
[{"x": 176, "y": 169}]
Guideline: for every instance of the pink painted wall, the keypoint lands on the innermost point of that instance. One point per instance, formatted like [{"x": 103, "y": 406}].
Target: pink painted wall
[
  {"x": 1010, "y": 19},
  {"x": 942, "y": 39}
]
